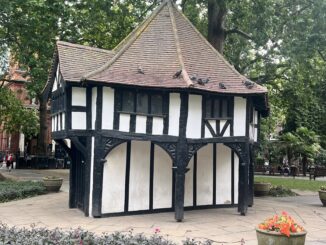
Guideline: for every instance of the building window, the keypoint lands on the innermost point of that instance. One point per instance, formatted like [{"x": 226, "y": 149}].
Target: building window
[
  {"x": 217, "y": 107},
  {"x": 142, "y": 103}
]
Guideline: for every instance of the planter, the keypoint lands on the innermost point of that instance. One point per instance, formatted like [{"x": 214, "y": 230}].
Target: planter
[
  {"x": 322, "y": 197},
  {"x": 275, "y": 238},
  {"x": 52, "y": 184},
  {"x": 261, "y": 188}
]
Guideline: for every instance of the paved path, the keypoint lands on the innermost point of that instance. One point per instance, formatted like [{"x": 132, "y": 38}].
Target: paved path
[{"x": 225, "y": 226}]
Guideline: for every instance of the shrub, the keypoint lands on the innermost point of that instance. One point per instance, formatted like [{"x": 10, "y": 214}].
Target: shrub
[
  {"x": 13, "y": 190},
  {"x": 320, "y": 159},
  {"x": 281, "y": 191},
  {"x": 13, "y": 235}
]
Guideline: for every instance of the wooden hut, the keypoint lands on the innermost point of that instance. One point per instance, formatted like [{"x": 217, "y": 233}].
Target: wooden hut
[{"x": 162, "y": 122}]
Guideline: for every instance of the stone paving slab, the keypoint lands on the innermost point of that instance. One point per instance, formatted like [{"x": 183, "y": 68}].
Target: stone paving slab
[{"x": 223, "y": 225}]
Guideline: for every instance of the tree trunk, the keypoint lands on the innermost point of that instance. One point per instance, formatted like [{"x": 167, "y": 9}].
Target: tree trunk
[
  {"x": 216, "y": 16},
  {"x": 42, "y": 141},
  {"x": 304, "y": 165}
]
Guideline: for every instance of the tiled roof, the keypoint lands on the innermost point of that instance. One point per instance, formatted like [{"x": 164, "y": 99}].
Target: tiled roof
[
  {"x": 154, "y": 52},
  {"x": 76, "y": 60}
]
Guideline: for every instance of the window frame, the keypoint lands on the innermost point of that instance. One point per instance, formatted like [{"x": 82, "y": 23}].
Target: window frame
[
  {"x": 135, "y": 95},
  {"x": 212, "y": 101}
]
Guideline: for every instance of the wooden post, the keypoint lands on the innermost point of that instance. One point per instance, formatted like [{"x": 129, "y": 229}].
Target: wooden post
[{"x": 244, "y": 181}]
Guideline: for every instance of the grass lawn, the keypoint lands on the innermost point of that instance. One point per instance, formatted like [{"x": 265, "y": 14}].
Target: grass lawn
[{"x": 289, "y": 182}]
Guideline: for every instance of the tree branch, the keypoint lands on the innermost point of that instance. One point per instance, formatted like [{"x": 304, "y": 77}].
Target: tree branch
[
  {"x": 237, "y": 31},
  {"x": 150, "y": 7},
  {"x": 321, "y": 55}
]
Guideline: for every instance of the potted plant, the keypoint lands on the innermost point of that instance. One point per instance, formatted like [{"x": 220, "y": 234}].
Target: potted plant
[
  {"x": 322, "y": 195},
  {"x": 52, "y": 183},
  {"x": 280, "y": 230},
  {"x": 262, "y": 188}
]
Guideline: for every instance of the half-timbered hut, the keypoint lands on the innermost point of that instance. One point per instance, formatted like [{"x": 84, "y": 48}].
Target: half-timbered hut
[{"x": 162, "y": 122}]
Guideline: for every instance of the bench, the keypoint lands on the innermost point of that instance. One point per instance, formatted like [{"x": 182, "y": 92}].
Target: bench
[{"x": 317, "y": 172}]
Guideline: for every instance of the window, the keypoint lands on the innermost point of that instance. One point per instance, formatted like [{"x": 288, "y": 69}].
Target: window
[
  {"x": 217, "y": 107},
  {"x": 145, "y": 103}
]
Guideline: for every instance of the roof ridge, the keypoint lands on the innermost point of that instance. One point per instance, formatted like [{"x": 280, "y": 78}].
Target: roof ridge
[
  {"x": 127, "y": 42},
  {"x": 211, "y": 47},
  {"x": 177, "y": 42},
  {"x": 75, "y": 45}
]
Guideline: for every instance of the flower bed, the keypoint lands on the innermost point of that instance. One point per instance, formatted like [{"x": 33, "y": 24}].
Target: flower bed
[
  {"x": 13, "y": 235},
  {"x": 14, "y": 190}
]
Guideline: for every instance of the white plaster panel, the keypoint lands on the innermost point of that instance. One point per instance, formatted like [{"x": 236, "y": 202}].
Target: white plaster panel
[
  {"x": 59, "y": 121},
  {"x": 55, "y": 85},
  {"x": 63, "y": 120},
  {"x": 124, "y": 122},
  {"x": 239, "y": 122},
  {"x": 139, "y": 175},
  {"x": 223, "y": 174},
  {"x": 236, "y": 178},
  {"x": 141, "y": 124},
  {"x": 194, "y": 116},
  {"x": 162, "y": 187},
  {"x": 108, "y": 108},
  {"x": 251, "y": 132},
  {"x": 205, "y": 175},
  {"x": 55, "y": 123},
  {"x": 52, "y": 128},
  {"x": 157, "y": 126},
  {"x": 114, "y": 177},
  {"x": 255, "y": 117},
  {"x": 189, "y": 185},
  {"x": 227, "y": 131},
  {"x": 207, "y": 132},
  {"x": 255, "y": 134},
  {"x": 174, "y": 114},
  {"x": 78, "y": 120},
  {"x": 68, "y": 142},
  {"x": 91, "y": 180},
  {"x": 78, "y": 96},
  {"x": 21, "y": 142},
  {"x": 94, "y": 97}
]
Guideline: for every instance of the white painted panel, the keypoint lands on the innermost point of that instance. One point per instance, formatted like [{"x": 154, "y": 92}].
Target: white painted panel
[
  {"x": 55, "y": 85},
  {"x": 21, "y": 142},
  {"x": 63, "y": 120},
  {"x": 55, "y": 123},
  {"x": 91, "y": 180},
  {"x": 174, "y": 114},
  {"x": 255, "y": 117},
  {"x": 189, "y": 185},
  {"x": 139, "y": 175},
  {"x": 239, "y": 123},
  {"x": 255, "y": 134},
  {"x": 114, "y": 176},
  {"x": 251, "y": 132},
  {"x": 236, "y": 178},
  {"x": 94, "y": 97},
  {"x": 59, "y": 121},
  {"x": 124, "y": 122},
  {"x": 78, "y": 96},
  {"x": 205, "y": 175},
  {"x": 141, "y": 124},
  {"x": 78, "y": 120},
  {"x": 227, "y": 131},
  {"x": 108, "y": 108},
  {"x": 158, "y": 125},
  {"x": 194, "y": 116},
  {"x": 162, "y": 189},
  {"x": 52, "y": 128},
  {"x": 207, "y": 132},
  {"x": 223, "y": 174}
]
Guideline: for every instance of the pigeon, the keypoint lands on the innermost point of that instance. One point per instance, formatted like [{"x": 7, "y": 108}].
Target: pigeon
[
  {"x": 222, "y": 85},
  {"x": 177, "y": 74},
  {"x": 193, "y": 77},
  {"x": 206, "y": 80},
  {"x": 140, "y": 70},
  {"x": 200, "y": 81},
  {"x": 249, "y": 84}
]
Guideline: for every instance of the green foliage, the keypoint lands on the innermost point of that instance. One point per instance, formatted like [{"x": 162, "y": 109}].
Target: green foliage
[
  {"x": 14, "y": 117},
  {"x": 280, "y": 191},
  {"x": 12, "y": 190},
  {"x": 14, "y": 235},
  {"x": 320, "y": 158}
]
